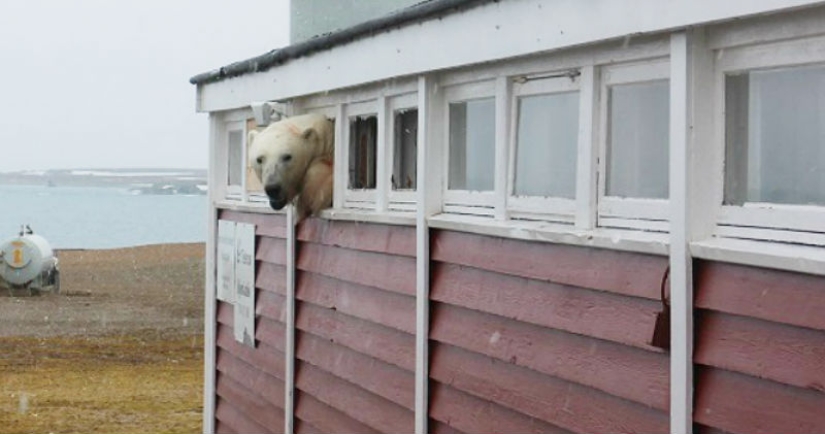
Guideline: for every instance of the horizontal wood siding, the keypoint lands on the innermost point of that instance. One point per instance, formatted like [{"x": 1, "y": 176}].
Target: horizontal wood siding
[
  {"x": 250, "y": 381},
  {"x": 355, "y": 325},
  {"x": 760, "y": 350},
  {"x": 537, "y": 337}
]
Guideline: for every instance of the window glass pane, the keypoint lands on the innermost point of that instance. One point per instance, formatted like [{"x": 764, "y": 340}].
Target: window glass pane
[
  {"x": 405, "y": 145},
  {"x": 235, "y": 164},
  {"x": 638, "y": 140},
  {"x": 472, "y": 145},
  {"x": 775, "y": 134},
  {"x": 253, "y": 184},
  {"x": 546, "y": 149},
  {"x": 363, "y": 133}
]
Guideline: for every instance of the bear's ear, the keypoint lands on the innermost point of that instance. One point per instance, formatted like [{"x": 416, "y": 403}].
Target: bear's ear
[
  {"x": 251, "y": 137},
  {"x": 309, "y": 133}
]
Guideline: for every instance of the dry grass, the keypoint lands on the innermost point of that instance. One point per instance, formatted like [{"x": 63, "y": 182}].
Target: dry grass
[{"x": 120, "y": 351}]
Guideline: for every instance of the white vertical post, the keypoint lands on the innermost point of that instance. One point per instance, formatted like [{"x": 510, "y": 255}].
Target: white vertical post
[
  {"x": 681, "y": 270},
  {"x": 586, "y": 161},
  {"x": 383, "y": 142},
  {"x": 340, "y": 166},
  {"x": 503, "y": 102},
  {"x": 210, "y": 302},
  {"x": 289, "y": 306},
  {"x": 428, "y": 198}
]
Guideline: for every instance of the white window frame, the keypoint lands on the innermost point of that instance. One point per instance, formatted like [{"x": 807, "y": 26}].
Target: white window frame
[
  {"x": 556, "y": 209},
  {"x": 362, "y": 198},
  {"x": 480, "y": 203},
  {"x": 398, "y": 200},
  {"x": 628, "y": 213},
  {"x": 802, "y": 224}
]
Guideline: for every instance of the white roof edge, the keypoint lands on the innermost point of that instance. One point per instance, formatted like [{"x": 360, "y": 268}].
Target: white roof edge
[{"x": 499, "y": 30}]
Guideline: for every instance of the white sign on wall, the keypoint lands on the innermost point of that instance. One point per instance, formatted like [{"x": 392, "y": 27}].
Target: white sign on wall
[
  {"x": 226, "y": 261},
  {"x": 245, "y": 283}
]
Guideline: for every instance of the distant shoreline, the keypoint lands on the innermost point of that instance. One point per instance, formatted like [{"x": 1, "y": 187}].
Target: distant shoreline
[{"x": 140, "y": 181}]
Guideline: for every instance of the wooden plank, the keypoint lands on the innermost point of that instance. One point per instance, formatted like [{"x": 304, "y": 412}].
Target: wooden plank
[
  {"x": 266, "y": 224},
  {"x": 436, "y": 427},
  {"x": 608, "y": 270},
  {"x": 363, "y": 406},
  {"x": 222, "y": 428},
  {"x": 264, "y": 358},
  {"x": 302, "y": 427},
  {"x": 385, "y": 380},
  {"x": 271, "y": 250},
  {"x": 594, "y": 313},
  {"x": 383, "y": 343},
  {"x": 623, "y": 371},
  {"x": 389, "y": 272},
  {"x": 270, "y": 305},
  {"x": 781, "y": 296},
  {"x": 326, "y": 418},
  {"x": 782, "y": 353},
  {"x": 254, "y": 408},
  {"x": 375, "y": 305},
  {"x": 464, "y": 412},
  {"x": 742, "y": 404},
  {"x": 370, "y": 237},
  {"x": 556, "y": 402},
  {"x": 230, "y": 416},
  {"x": 272, "y": 333},
  {"x": 257, "y": 382},
  {"x": 271, "y": 277}
]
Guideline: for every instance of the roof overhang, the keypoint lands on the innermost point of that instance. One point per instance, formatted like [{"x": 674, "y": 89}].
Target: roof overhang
[{"x": 489, "y": 31}]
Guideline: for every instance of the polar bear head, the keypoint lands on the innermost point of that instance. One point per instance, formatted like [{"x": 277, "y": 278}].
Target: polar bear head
[{"x": 283, "y": 153}]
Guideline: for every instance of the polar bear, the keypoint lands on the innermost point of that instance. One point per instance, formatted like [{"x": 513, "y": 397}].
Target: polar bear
[{"x": 293, "y": 158}]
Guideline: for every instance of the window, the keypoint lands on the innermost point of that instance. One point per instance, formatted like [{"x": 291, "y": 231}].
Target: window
[
  {"x": 775, "y": 145},
  {"x": 771, "y": 100},
  {"x": 253, "y": 184},
  {"x": 637, "y": 148},
  {"x": 472, "y": 145},
  {"x": 544, "y": 150},
  {"x": 235, "y": 141},
  {"x": 405, "y": 149},
  {"x": 362, "y": 152},
  {"x": 634, "y": 162}
]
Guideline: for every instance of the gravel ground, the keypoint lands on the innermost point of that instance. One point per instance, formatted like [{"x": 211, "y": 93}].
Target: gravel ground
[{"x": 118, "y": 350}]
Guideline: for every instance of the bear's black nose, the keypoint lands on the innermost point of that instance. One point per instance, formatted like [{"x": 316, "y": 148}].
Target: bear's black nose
[{"x": 273, "y": 191}]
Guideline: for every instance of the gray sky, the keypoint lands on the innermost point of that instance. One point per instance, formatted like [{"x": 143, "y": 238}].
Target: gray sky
[{"x": 104, "y": 83}]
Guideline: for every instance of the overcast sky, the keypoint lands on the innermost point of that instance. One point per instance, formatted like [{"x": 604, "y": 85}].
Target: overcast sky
[{"x": 102, "y": 83}]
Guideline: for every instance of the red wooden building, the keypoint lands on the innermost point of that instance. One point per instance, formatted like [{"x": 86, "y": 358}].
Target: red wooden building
[{"x": 516, "y": 181}]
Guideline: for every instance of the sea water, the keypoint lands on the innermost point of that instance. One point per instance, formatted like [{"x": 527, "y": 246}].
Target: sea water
[{"x": 101, "y": 217}]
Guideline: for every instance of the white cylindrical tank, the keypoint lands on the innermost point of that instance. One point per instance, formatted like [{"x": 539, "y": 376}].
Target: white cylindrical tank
[{"x": 25, "y": 258}]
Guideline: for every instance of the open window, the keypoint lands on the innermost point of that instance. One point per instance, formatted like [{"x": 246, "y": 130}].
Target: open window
[
  {"x": 634, "y": 158},
  {"x": 544, "y": 148},
  {"x": 774, "y": 121},
  {"x": 471, "y": 143},
  {"x": 403, "y": 152},
  {"x": 235, "y": 143},
  {"x": 361, "y": 132}
]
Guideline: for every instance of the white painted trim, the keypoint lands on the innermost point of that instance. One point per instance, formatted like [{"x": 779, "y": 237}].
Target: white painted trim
[
  {"x": 802, "y": 259},
  {"x": 339, "y": 170},
  {"x": 503, "y": 121},
  {"x": 791, "y": 217},
  {"x": 508, "y": 29},
  {"x": 289, "y": 307},
  {"x": 354, "y": 215},
  {"x": 613, "y": 239},
  {"x": 776, "y": 27},
  {"x": 429, "y": 199},
  {"x": 681, "y": 269},
  {"x": 633, "y": 208},
  {"x": 586, "y": 160},
  {"x": 210, "y": 322},
  {"x": 766, "y": 234}
]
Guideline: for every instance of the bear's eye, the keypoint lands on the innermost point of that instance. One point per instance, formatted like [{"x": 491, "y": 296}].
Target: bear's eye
[
  {"x": 260, "y": 160},
  {"x": 286, "y": 158}
]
